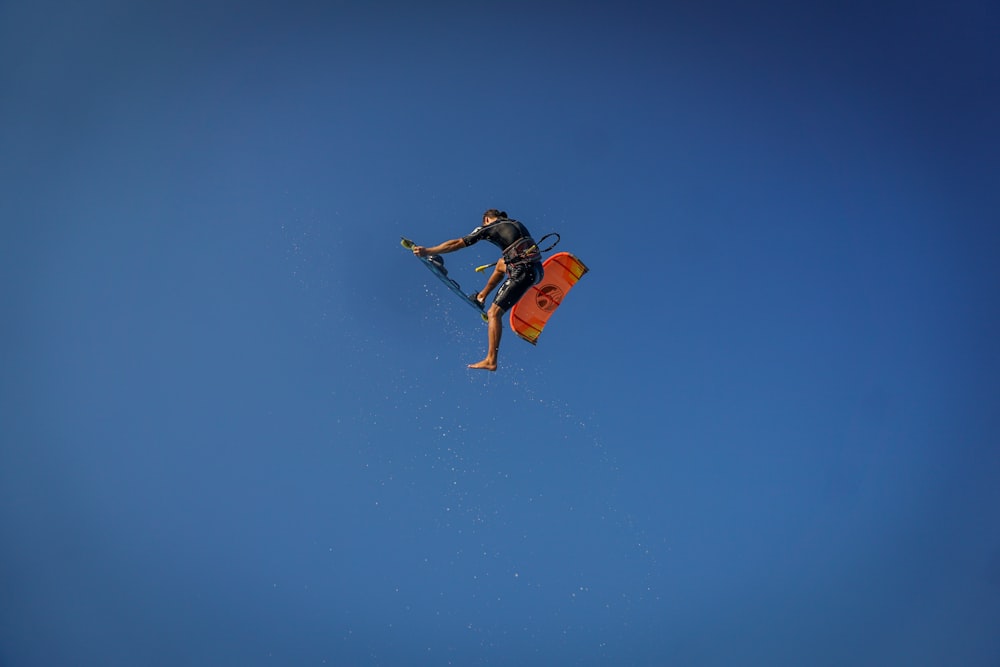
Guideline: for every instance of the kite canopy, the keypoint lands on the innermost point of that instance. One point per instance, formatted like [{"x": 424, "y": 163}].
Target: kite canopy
[{"x": 529, "y": 315}]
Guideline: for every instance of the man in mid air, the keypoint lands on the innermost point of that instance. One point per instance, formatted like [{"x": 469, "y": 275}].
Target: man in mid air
[{"x": 521, "y": 263}]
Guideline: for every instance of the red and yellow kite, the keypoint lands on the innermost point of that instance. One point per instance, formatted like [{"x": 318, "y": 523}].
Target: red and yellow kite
[{"x": 529, "y": 315}]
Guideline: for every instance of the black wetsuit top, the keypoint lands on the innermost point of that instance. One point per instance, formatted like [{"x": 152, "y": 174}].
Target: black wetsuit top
[
  {"x": 502, "y": 233},
  {"x": 524, "y": 265}
]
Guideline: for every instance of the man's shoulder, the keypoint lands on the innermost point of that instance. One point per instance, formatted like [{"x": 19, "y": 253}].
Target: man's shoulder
[
  {"x": 519, "y": 226},
  {"x": 474, "y": 235}
]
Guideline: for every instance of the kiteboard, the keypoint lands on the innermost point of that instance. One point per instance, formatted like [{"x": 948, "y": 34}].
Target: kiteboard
[
  {"x": 529, "y": 315},
  {"x": 436, "y": 266}
]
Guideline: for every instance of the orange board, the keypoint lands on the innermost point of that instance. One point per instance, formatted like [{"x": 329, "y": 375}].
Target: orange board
[{"x": 529, "y": 315}]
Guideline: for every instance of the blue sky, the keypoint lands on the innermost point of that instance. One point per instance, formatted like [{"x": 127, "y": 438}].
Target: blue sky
[{"x": 237, "y": 426}]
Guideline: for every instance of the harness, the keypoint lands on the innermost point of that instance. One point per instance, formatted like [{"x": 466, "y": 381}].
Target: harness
[{"x": 522, "y": 251}]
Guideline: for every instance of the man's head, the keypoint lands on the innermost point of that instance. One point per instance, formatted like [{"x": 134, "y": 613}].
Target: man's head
[{"x": 492, "y": 215}]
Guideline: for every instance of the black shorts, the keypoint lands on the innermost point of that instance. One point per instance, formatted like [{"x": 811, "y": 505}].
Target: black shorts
[{"x": 519, "y": 279}]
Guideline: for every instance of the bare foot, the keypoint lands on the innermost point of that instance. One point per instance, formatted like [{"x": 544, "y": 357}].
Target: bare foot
[{"x": 485, "y": 365}]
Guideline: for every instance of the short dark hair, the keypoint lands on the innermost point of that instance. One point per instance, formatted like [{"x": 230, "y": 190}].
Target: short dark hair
[{"x": 494, "y": 213}]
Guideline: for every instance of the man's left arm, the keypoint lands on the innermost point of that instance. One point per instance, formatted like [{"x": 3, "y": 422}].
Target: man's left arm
[{"x": 440, "y": 249}]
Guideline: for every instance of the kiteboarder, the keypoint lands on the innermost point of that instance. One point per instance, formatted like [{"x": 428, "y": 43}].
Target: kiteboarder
[{"x": 521, "y": 263}]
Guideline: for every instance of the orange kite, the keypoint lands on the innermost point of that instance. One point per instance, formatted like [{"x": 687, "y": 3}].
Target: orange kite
[{"x": 529, "y": 315}]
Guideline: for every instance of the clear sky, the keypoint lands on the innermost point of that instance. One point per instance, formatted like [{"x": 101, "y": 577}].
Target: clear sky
[{"x": 237, "y": 427}]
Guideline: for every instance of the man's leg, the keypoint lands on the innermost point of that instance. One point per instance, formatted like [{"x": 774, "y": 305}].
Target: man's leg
[
  {"x": 495, "y": 329},
  {"x": 495, "y": 278}
]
